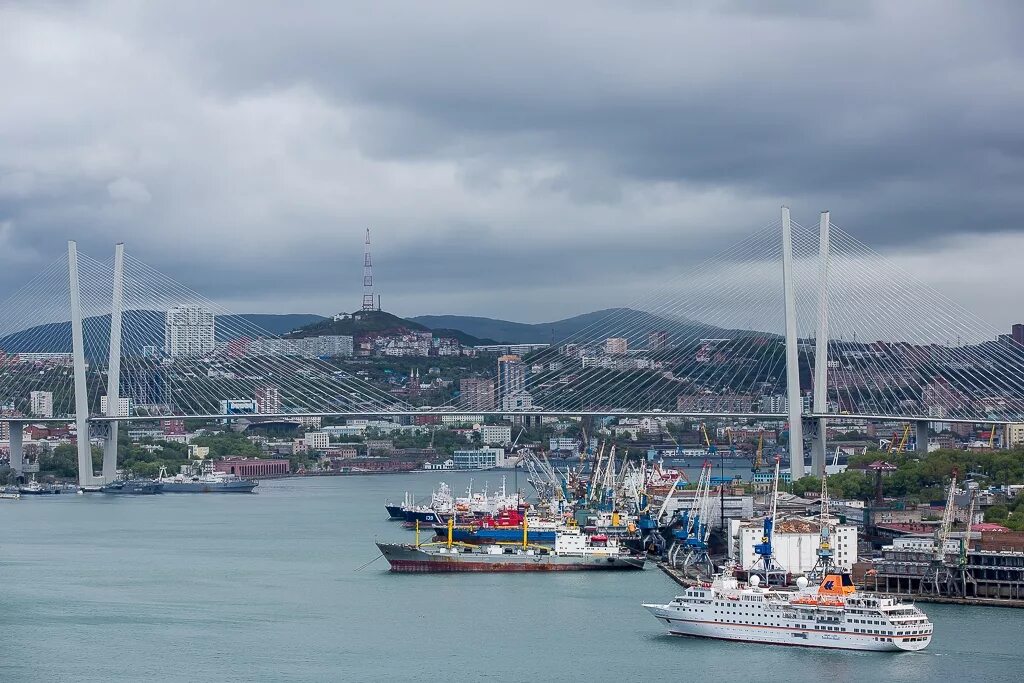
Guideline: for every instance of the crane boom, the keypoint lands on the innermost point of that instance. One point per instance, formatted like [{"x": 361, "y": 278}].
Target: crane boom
[{"x": 942, "y": 533}]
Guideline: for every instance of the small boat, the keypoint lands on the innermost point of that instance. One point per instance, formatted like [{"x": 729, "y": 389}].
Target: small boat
[{"x": 34, "y": 488}]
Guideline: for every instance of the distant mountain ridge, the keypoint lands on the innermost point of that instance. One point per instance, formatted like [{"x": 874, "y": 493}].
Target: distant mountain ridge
[
  {"x": 632, "y": 324},
  {"x": 141, "y": 328}
]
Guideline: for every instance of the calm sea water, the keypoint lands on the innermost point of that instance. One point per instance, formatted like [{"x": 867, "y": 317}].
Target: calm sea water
[{"x": 265, "y": 588}]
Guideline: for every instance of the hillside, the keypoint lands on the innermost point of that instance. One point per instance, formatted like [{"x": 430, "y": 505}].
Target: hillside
[{"x": 382, "y": 323}]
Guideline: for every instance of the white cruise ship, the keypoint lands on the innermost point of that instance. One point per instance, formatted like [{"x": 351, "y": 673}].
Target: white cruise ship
[{"x": 833, "y": 615}]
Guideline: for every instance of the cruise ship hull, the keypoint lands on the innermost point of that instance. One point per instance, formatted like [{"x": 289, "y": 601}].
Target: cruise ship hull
[
  {"x": 408, "y": 559},
  {"x": 781, "y": 635}
]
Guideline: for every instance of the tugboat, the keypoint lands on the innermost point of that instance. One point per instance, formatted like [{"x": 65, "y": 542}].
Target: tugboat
[
  {"x": 133, "y": 487},
  {"x": 572, "y": 551},
  {"x": 34, "y": 488}
]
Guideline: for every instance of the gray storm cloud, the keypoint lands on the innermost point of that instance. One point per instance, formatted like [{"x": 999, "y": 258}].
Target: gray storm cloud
[{"x": 526, "y": 161}]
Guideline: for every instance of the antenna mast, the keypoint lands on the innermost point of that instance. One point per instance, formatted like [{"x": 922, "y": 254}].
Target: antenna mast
[{"x": 368, "y": 302}]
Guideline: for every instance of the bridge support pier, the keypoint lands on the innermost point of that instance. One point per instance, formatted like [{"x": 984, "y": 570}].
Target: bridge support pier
[
  {"x": 793, "y": 398},
  {"x": 819, "y": 457},
  {"x": 821, "y": 338},
  {"x": 86, "y": 476},
  {"x": 921, "y": 436},
  {"x": 114, "y": 368},
  {"x": 17, "y": 450}
]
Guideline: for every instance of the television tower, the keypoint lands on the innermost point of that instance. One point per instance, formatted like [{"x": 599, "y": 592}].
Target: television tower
[{"x": 368, "y": 302}]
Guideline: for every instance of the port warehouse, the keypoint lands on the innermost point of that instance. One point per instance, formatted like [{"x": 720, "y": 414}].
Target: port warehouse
[{"x": 994, "y": 568}]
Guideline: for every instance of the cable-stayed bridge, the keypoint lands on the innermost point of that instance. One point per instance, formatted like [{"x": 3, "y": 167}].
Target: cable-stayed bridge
[{"x": 798, "y": 324}]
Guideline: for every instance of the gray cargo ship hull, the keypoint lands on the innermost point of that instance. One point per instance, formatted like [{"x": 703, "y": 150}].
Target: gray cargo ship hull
[
  {"x": 243, "y": 486},
  {"x": 405, "y": 558}
]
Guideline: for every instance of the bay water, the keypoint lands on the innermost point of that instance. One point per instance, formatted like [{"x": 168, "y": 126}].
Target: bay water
[{"x": 276, "y": 587}]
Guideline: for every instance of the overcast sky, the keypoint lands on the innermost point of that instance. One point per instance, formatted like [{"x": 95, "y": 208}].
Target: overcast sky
[{"x": 520, "y": 160}]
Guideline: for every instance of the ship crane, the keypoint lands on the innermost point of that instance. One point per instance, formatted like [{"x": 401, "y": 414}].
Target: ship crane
[
  {"x": 774, "y": 573},
  {"x": 938, "y": 578}
]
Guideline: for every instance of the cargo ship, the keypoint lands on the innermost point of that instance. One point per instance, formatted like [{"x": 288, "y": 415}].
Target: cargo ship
[
  {"x": 572, "y": 551},
  {"x": 833, "y": 615}
]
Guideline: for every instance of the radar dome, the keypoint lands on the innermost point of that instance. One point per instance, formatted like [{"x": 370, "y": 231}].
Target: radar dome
[
  {"x": 755, "y": 580},
  {"x": 801, "y": 582}
]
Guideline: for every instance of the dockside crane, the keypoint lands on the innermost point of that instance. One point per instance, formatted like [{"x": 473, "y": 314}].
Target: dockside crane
[
  {"x": 938, "y": 578},
  {"x": 774, "y": 573},
  {"x": 961, "y": 563},
  {"x": 759, "y": 453},
  {"x": 825, "y": 563},
  {"x": 688, "y": 518}
]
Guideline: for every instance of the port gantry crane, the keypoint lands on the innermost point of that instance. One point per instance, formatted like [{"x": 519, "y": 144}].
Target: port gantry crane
[
  {"x": 774, "y": 573},
  {"x": 961, "y": 561},
  {"x": 938, "y": 578},
  {"x": 690, "y": 538},
  {"x": 759, "y": 453},
  {"x": 825, "y": 563}
]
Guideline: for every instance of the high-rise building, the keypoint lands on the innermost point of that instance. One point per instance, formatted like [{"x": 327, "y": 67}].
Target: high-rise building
[
  {"x": 512, "y": 393},
  {"x": 41, "y": 403},
  {"x": 124, "y": 406},
  {"x": 476, "y": 393},
  {"x": 268, "y": 400},
  {"x": 511, "y": 375},
  {"x": 188, "y": 331},
  {"x": 1017, "y": 332},
  {"x": 615, "y": 346},
  {"x": 656, "y": 341}
]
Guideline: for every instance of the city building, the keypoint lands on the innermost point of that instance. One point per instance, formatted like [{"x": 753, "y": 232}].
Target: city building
[
  {"x": 1017, "y": 333},
  {"x": 268, "y": 400},
  {"x": 795, "y": 542},
  {"x": 615, "y": 346},
  {"x": 237, "y": 406},
  {"x": 512, "y": 394},
  {"x": 189, "y": 331},
  {"x": 476, "y": 393},
  {"x": 480, "y": 458},
  {"x": 564, "y": 443},
  {"x": 496, "y": 434},
  {"x": 715, "y": 403},
  {"x": 124, "y": 406},
  {"x": 656, "y": 341},
  {"x": 318, "y": 441},
  {"x": 41, "y": 403},
  {"x": 253, "y": 467}
]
